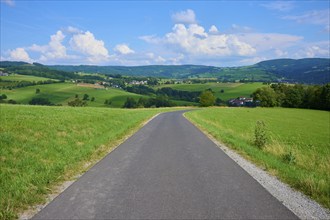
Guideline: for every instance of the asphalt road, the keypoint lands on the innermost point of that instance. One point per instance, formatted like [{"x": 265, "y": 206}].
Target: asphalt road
[{"x": 167, "y": 170}]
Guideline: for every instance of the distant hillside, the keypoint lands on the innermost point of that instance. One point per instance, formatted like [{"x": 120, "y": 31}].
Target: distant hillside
[
  {"x": 312, "y": 70},
  {"x": 249, "y": 73},
  {"x": 166, "y": 71}
]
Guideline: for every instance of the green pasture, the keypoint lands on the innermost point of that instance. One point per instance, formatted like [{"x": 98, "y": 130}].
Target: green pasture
[
  {"x": 42, "y": 146},
  {"x": 62, "y": 93},
  {"x": 17, "y": 77},
  {"x": 298, "y": 147}
]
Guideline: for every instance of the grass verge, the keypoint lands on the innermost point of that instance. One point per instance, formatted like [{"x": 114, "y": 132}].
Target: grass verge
[
  {"x": 298, "y": 148},
  {"x": 43, "y": 146}
]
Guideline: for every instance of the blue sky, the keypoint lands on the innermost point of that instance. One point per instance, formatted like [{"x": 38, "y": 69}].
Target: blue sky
[{"x": 219, "y": 33}]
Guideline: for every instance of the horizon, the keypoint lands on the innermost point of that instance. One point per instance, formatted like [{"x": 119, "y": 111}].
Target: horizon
[
  {"x": 107, "y": 33},
  {"x": 158, "y": 64}
]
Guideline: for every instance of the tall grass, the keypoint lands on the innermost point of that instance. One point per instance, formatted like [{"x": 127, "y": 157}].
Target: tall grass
[
  {"x": 298, "y": 149},
  {"x": 42, "y": 146}
]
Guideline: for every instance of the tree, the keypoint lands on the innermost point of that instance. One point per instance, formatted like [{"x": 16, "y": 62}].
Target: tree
[
  {"x": 3, "y": 96},
  {"x": 85, "y": 97},
  {"x": 207, "y": 98},
  {"x": 92, "y": 99},
  {"x": 294, "y": 97},
  {"x": 37, "y": 90},
  {"x": 266, "y": 96},
  {"x": 40, "y": 101},
  {"x": 77, "y": 103},
  {"x": 130, "y": 103},
  {"x": 222, "y": 91}
]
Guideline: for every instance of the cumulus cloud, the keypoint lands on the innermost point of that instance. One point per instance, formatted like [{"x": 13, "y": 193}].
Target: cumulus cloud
[
  {"x": 73, "y": 30},
  {"x": 194, "y": 40},
  {"x": 315, "y": 49},
  {"x": 9, "y": 2},
  {"x": 123, "y": 49},
  {"x": 86, "y": 44},
  {"x": 213, "y": 30},
  {"x": 54, "y": 50},
  {"x": 184, "y": 17},
  {"x": 282, "y": 6},
  {"x": 19, "y": 54}
]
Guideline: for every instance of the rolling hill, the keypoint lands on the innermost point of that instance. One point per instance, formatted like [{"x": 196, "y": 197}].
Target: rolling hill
[{"x": 309, "y": 71}]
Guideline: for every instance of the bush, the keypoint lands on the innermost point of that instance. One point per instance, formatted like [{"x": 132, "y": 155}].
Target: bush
[
  {"x": 289, "y": 158},
  {"x": 260, "y": 134},
  {"x": 77, "y": 103},
  {"x": 40, "y": 101}
]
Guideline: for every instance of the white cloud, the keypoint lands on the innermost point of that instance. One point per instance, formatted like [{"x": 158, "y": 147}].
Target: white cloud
[
  {"x": 19, "y": 54},
  {"x": 316, "y": 49},
  {"x": 123, "y": 49},
  {"x": 282, "y": 6},
  {"x": 213, "y": 30},
  {"x": 253, "y": 60},
  {"x": 269, "y": 41},
  {"x": 72, "y": 30},
  {"x": 184, "y": 17},
  {"x": 155, "y": 58},
  {"x": 9, "y": 2},
  {"x": 54, "y": 50},
  {"x": 193, "y": 40},
  {"x": 315, "y": 17},
  {"x": 240, "y": 29},
  {"x": 86, "y": 44},
  {"x": 311, "y": 17}
]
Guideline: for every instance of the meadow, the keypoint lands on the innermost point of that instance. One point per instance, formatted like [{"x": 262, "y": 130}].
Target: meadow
[
  {"x": 231, "y": 90},
  {"x": 18, "y": 77},
  {"x": 297, "y": 150},
  {"x": 42, "y": 146},
  {"x": 62, "y": 93}
]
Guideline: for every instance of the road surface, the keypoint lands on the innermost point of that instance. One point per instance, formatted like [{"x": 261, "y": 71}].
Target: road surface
[{"x": 167, "y": 170}]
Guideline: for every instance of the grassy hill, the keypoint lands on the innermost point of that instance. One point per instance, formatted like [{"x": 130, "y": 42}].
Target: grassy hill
[
  {"x": 17, "y": 77},
  {"x": 298, "y": 148},
  {"x": 62, "y": 93},
  {"x": 42, "y": 146},
  {"x": 313, "y": 70},
  {"x": 230, "y": 90}
]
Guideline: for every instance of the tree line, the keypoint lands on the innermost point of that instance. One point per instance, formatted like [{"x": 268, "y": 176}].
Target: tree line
[
  {"x": 296, "y": 96},
  {"x": 166, "y": 91}
]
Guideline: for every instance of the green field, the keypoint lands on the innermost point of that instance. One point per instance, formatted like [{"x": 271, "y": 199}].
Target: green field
[
  {"x": 62, "y": 93},
  {"x": 231, "y": 90},
  {"x": 17, "y": 77},
  {"x": 299, "y": 134},
  {"x": 42, "y": 146}
]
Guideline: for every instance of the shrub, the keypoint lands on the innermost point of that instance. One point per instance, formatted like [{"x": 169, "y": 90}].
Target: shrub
[
  {"x": 289, "y": 158},
  {"x": 77, "y": 103},
  {"x": 40, "y": 101},
  {"x": 260, "y": 134}
]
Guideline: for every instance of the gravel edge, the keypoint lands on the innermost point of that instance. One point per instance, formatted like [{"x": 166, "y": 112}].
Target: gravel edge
[{"x": 302, "y": 206}]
